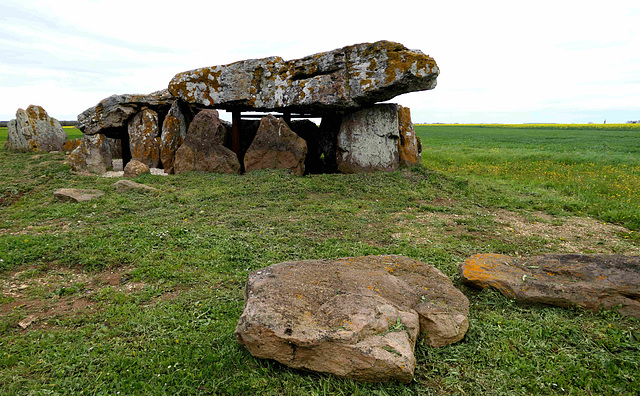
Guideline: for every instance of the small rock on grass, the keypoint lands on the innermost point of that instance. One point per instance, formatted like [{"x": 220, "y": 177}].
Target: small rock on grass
[
  {"x": 135, "y": 168},
  {"x": 76, "y": 195}
]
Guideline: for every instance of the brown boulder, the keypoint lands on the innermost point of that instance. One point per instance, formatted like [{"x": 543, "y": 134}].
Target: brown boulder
[
  {"x": 591, "y": 282},
  {"x": 276, "y": 146},
  {"x": 408, "y": 146},
  {"x": 143, "y": 138},
  {"x": 135, "y": 168},
  {"x": 93, "y": 154},
  {"x": 203, "y": 148},
  {"x": 355, "y": 317}
]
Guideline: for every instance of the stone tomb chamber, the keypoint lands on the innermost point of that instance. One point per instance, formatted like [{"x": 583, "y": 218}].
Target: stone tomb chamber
[{"x": 271, "y": 102}]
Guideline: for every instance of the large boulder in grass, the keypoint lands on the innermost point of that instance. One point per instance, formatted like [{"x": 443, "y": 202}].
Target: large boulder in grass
[
  {"x": 355, "y": 317},
  {"x": 203, "y": 148},
  {"x": 368, "y": 140},
  {"x": 34, "y": 130},
  {"x": 276, "y": 146},
  {"x": 588, "y": 281},
  {"x": 342, "y": 79}
]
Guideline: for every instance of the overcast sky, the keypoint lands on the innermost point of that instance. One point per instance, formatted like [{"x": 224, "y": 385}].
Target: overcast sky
[{"x": 500, "y": 61}]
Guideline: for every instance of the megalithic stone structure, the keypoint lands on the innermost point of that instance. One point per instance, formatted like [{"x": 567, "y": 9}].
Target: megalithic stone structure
[{"x": 343, "y": 79}]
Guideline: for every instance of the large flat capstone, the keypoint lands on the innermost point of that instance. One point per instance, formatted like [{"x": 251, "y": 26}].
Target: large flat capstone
[
  {"x": 588, "y": 281},
  {"x": 347, "y": 78},
  {"x": 356, "y": 317}
]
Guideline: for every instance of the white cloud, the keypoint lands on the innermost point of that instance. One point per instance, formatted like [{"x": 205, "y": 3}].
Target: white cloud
[{"x": 497, "y": 58}]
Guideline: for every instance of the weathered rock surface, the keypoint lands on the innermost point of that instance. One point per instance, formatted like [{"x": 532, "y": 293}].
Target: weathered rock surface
[
  {"x": 368, "y": 140},
  {"x": 346, "y": 78},
  {"x": 93, "y": 154},
  {"x": 71, "y": 145},
  {"x": 112, "y": 114},
  {"x": 34, "y": 130},
  {"x": 76, "y": 195},
  {"x": 135, "y": 168},
  {"x": 276, "y": 146},
  {"x": 203, "y": 148},
  {"x": 352, "y": 317},
  {"x": 591, "y": 282},
  {"x": 174, "y": 130},
  {"x": 144, "y": 142},
  {"x": 408, "y": 146},
  {"x": 129, "y": 185}
]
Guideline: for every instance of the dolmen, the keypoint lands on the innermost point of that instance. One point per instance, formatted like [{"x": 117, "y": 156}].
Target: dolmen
[{"x": 342, "y": 88}]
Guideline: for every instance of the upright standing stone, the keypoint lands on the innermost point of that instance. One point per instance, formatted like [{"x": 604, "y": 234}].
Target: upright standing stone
[
  {"x": 276, "y": 146},
  {"x": 368, "y": 140},
  {"x": 14, "y": 140},
  {"x": 34, "y": 130},
  {"x": 143, "y": 138},
  {"x": 93, "y": 154},
  {"x": 203, "y": 148},
  {"x": 174, "y": 130},
  {"x": 408, "y": 146}
]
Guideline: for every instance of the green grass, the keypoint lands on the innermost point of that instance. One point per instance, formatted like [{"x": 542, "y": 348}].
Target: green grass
[
  {"x": 73, "y": 133},
  {"x": 190, "y": 247},
  {"x": 598, "y": 169}
]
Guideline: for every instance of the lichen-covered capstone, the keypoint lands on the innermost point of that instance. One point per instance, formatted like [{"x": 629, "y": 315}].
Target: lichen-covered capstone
[
  {"x": 111, "y": 115},
  {"x": 346, "y": 78}
]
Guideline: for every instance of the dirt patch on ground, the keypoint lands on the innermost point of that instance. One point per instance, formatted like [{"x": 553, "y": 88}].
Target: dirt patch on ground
[
  {"x": 32, "y": 298},
  {"x": 556, "y": 234}
]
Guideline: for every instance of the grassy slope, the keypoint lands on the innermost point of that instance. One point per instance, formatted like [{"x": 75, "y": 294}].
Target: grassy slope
[{"x": 199, "y": 238}]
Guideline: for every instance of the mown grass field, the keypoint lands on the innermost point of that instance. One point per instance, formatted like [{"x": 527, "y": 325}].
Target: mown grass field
[{"x": 140, "y": 293}]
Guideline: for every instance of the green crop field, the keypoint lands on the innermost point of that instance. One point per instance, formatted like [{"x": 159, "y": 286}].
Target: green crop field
[{"x": 139, "y": 293}]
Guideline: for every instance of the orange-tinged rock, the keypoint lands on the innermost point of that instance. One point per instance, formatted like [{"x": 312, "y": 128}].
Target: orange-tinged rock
[
  {"x": 34, "y": 130},
  {"x": 408, "y": 146},
  {"x": 144, "y": 139},
  {"x": 588, "y": 281}
]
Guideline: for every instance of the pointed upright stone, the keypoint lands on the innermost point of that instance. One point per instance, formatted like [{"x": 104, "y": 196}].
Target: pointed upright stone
[{"x": 276, "y": 146}]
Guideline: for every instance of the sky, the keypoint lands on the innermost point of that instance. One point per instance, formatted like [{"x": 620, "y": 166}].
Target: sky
[{"x": 559, "y": 61}]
